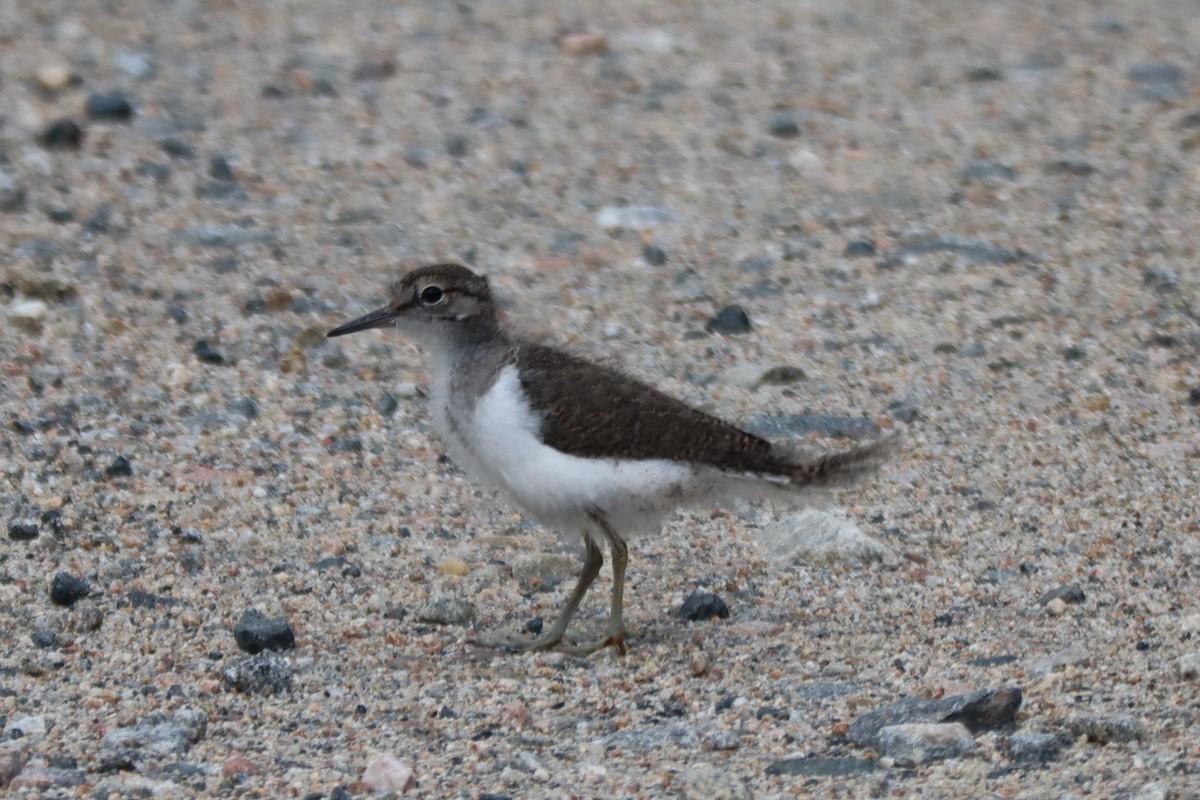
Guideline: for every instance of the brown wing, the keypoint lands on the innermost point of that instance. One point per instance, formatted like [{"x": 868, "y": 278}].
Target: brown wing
[{"x": 610, "y": 415}]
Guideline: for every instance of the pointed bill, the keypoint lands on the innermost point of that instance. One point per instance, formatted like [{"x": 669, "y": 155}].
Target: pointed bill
[{"x": 379, "y": 318}]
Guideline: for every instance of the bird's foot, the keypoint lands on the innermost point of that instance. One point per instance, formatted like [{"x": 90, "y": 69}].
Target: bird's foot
[
  {"x": 616, "y": 640},
  {"x": 551, "y": 641}
]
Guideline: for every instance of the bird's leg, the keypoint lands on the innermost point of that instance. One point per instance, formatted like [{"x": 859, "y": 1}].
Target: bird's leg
[
  {"x": 592, "y": 561},
  {"x": 616, "y": 618}
]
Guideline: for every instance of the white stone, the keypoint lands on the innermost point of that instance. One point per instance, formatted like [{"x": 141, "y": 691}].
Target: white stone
[
  {"x": 819, "y": 537},
  {"x": 28, "y": 310},
  {"x": 1189, "y": 665},
  {"x": 388, "y": 774},
  {"x": 920, "y": 743}
]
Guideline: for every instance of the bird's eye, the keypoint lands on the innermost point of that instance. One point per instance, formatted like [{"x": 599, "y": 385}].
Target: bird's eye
[{"x": 432, "y": 295}]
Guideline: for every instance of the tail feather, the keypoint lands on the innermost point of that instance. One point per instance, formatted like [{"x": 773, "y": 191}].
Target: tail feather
[{"x": 833, "y": 469}]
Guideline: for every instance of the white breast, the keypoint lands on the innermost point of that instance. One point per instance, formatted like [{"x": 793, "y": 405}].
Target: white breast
[{"x": 560, "y": 488}]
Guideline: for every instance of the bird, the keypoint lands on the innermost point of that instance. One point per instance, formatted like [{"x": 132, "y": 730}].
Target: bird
[{"x": 583, "y": 447}]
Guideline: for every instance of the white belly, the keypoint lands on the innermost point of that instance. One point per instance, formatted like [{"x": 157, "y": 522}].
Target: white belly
[{"x": 560, "y": 489}]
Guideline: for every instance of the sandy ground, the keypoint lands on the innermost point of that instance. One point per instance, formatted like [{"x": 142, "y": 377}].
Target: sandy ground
[{"x": 973, "y": 223}]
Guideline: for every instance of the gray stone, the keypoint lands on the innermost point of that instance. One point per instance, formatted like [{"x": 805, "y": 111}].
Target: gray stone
[
  {"x": 920, "y": 743},
  {"x": 160, "y": 735},
  {"x": 823, "y": 767},
  {"x": 1103, "y": 729},
  {"x": 650, "y": 738},
  {"x": 1035, "y": 746},
  {"x": 983, "y": 710},
  {"x": 706, "y": 782},
  {"x": 1071, "y": 593},
  {"x": 446, "y": 609},
  {"x": 255, "y": 633},
  {"x": 262, "y": 673}
]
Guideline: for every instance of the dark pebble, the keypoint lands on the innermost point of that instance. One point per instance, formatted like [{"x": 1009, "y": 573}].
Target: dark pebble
[
  {"x": 822, "y": 767},
  {"x": 781, "y": 376},
  {"x": 903, "y": 411},
  {"x": 60, "y": 215},
  {"x": 730, "y": 319},
  {"x": 100, "y": 220},
  {"x": 1194, "y": 396},
  {"x": 22, "y": 531},
  {"x": 119, "y": 468},
  {"x": 220, "y": 170},
  {"x": 337, "y": 562},
  {"x": 859, "y": 248},
  {"x": 535, "y": 625},
  {"x": 984, "y": 710},
  {"x": 387, "y": 404},
  {"x": 177, "y": 313},
  {"x": 140, "y": 599},
  {"x": 350, "y": 444},
  {"x": 984, "y": 73},
  {"x": 67, "y": 589},
  {"x": 177, "y": 148},
  {"x": 1074, "y": 354},
  {"x": 44, "y": 638},
  {"x": 654, "y": 256},
  {"x": 63, "y": 134},
  {"x": 783, "y": 124},
  {"x": 203, "y": 351},
  {"x": 943, "y": 620},
  {"x": 109, "y": 105},
  {"x": 700, "y": 606},
  {"x": 1071, "y": 593},
  {"x": 225, "y": 265},
  {"x": 457, "y": 145},
  {"x": 1036, "y": 747},
  {"x": 255, "y": 633},
  {"x": 159, "y": 173},
  {"x": 245, "y": 407},
  {"x": 1071, "y": 166},
  {"x": 992, "y": 661},
  {"x": 375, "y": 69}
]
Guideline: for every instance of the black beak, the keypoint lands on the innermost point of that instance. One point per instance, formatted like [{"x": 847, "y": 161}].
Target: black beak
[{"x": 379, "y": 318}]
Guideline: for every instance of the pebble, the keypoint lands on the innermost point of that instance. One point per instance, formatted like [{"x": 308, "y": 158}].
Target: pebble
[
  {"x": 135, "y": 65},
  {"x": 453, "y": 566},
  {"x": 204, "y": 352},
  {"x": 386, "y": 773},
  {"x": 730, "y": 319},
  {"x": 653, "y": 255},
  {"x": 1104, "y": 729},
  {"x": 48, "y": 778},
  {"x": 66, "y": 589},
  {"x": 701, "y": 606},
  {"x": 62, "y": 134},
  {"x": 1159, "y": 81},
  {"x": 32, "y": 727},
  {"x": 12, "y": 194},
  {"x": 583, "y": 44},
  {"x": 119, "y": 468},
  {"x": 1035, "y": 746},
  {"x": 1056, "y": 607},
  {"x": 109, "y": 106},
  {"x": 255, "y": 633},
  {"x": 1071, "y": 593},
  {"x": 44, "y": 638},
  {"x": 1188, "y": 666},
  {"x": 265, "y": 672},
  {"x": 87, "y": 618},
  {"x": 446, "y": 609},
  {"x": 22, "y": 531},
  {"x": 822, "y": 767},
  {"x": 819, "y": 537},
  {"x": 239, "y": 765},
  {"x": 635, "y": 218},
  {"x": 858, "y": 248},
  {"x": 919, "y": 743},
  {"x": 28, "y": 315},
  {"x": 159, "y": 734},
  {"x": 53, "y": 76},
  {"x": 982, "y": 710}
]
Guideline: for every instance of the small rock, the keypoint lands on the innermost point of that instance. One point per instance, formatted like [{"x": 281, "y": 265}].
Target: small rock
[
  {"x": 859, "y": 249},
  {"x": 375, "y": 69},
  {"x": 920, "y": 743},
  {"x": 583, "y": 44},
  {"x": 822, "y": 767},
  {"x": 119, "y": 468},
  {"x": 700, "y": 606},
  {"x": 818, "y": 537},
  {"x": 1103, "y": 729},
  {"x": 781, "y": 376},
  {"x": 685, "y": 736},
  {"x": 204, "y": 352},
  {"x": 457, "y": 145},
  {"x": 654, "y": 256},
  {"x": 255, "y": 633},
  {"x": 386, "y": 773},
  {"x": 22, "y": 531},
  {"x": 31, "y": 727},
  {"x": 446, "y": 609},
  {"x": 66, "y": 589},
  {"x": 730, "y": 319},
  {"x": 159, "y": 734},
  {"x": 1188, "y": 666},
  {"x": 266, "y": 672},
  {"x": 28, "y": 315},
  {"x": 784, "y": 125},
  {"x": 12, "y": 194},
  {"x": 135, "y": 65},
  {"x": 1071, "y": 593},
  {"x": 1056, "y": 607},
  {"x": 1035, "y": 746},
  {"x": 44, "y": 638},
  {"x": 245, "y": 407},
  {"x": 87, "y": 617},
  {"x": 53, "y": 76},
  {"x": 982, "y": 710},
  {"x": 63, "y": 134},
  {"x": 1158, "y": 81},
  {"x": 707, "y": 782},
  {"x": 239, "y": 765},
  {"x": 634, "y": 218},
  {"x": 48, "y": 778},
  {"x": 109, "y": 106}
]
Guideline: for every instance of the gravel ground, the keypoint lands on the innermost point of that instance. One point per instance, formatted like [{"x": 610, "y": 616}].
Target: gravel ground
[{"x": 972, "y": 223}]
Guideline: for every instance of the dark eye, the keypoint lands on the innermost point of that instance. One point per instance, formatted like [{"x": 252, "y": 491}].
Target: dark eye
[{"x": 431, "y": 295}]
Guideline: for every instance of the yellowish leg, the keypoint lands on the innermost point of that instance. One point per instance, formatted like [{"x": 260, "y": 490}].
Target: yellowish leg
[{"x": 616, "y": 615}]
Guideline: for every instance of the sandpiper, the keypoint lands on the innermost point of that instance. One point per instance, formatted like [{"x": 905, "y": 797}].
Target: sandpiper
[{"x": 584, "y": 448}]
